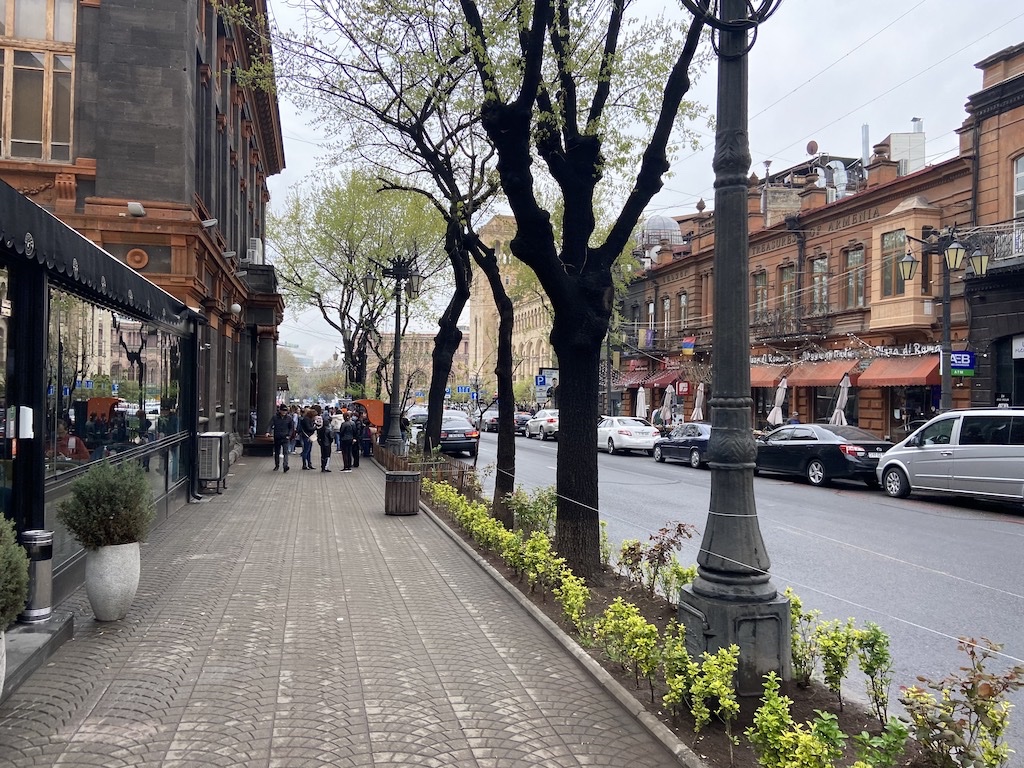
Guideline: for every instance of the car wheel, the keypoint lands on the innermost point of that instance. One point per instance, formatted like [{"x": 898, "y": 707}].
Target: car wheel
[
  {"x": 529, "y": 434},
  {"x": 543, "y": 434},
  {"x": 895, "y": 483},
  {"x": 658, "y": 455},
  {"x": 471, "y": 452},
  {"x": 815, "y": 472},
  {"x": 611, "y": 447},
  {"x": 695, "y": 458}
]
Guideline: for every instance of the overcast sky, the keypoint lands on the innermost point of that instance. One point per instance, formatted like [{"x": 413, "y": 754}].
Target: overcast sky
[{"x": 820, "y": 70}]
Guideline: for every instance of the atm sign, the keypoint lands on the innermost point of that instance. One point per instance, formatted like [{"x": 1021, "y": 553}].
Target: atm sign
[{"x": 961, "y": 363}]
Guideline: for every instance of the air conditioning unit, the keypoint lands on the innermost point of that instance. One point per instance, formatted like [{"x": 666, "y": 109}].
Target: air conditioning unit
[
  {"x": 250, "y": 256},
  {"x": 213, "y": 458},
  {"x": 255, "y": 251}
]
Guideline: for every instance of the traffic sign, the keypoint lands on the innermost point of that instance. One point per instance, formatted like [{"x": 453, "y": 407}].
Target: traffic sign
[
  {"x": 114, "y": 387},
  {"x": 540, "y": 381},
  {"x": 472, "y": 395},
  {"x": 463, "y": 389},
  {"x": 447, "y": 391}
]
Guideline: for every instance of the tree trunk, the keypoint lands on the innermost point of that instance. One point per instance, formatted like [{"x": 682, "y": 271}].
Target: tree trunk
[{"x": 577, "y": 336}]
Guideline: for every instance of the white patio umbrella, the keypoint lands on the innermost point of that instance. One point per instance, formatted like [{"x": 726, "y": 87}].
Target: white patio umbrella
[
  {"x": 698, "y": 404},
  {"x": 668, "y": 402},
  {"x": 775, "y": 417},
  {"x": 839, "y": 414},
  {"x": 641, "y": 403}
]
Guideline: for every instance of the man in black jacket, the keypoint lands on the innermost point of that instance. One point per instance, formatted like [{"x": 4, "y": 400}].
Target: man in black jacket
[
  {"x": 348, "y": 437},
  {"x": 282, "y": 429}
]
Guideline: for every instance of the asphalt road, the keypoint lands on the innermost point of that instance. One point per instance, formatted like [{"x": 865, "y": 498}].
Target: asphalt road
[{"x": 927, "y": 570}]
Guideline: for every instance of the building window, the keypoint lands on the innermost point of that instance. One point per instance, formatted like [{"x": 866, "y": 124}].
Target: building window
[
  {"x": 853, "y": 278},
  {"x": 650, "y": 315},
  {"x": 1018, "y": 189},
  {"x": 684, "y": 310},
  {"x": 787, "y": 287},
  {"x": 819, "y": 286},
  {"x": 35, "y": 122},
  {"x": 760, "y": 296},
  {"x": 666, "y": 311},
  {"x": 894, "y": 246}
]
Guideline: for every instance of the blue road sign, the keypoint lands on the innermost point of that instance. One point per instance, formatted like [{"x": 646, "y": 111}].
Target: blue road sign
[
  {"x": 472, "y": 395},
  {"x": 463, "y": 389},
  {"x": 540, "y": 381},
  {"x": 88, "y": 383},
  {"x": 447, "y": 391},
  {"x": 114, "y": 387}
]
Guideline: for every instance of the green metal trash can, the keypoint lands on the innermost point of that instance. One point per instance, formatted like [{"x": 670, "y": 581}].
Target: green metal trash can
[{"x": 401, "y": 493}]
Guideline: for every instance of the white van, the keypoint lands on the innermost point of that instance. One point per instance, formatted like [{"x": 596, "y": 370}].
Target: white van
[{"x": 977, "y": 452}]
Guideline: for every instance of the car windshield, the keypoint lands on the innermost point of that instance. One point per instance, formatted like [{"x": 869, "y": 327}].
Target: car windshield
[{"x": 634, "y": 422}]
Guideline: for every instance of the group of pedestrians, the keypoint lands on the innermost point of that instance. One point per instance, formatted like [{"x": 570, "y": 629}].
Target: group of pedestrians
[{"x": 333, "y": 430}]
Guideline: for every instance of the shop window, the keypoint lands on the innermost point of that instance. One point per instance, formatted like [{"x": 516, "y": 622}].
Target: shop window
[{"x": 894, "y": 247}]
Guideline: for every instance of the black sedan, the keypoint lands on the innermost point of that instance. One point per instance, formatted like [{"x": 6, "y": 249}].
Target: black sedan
[
  {"x": 687, "y": 442},
  {"x": 489, "y": 420},
  {"x": 521, "y": 418},
  {"x": 459, "y": 434},
  {"x": 822, "y": 452}
]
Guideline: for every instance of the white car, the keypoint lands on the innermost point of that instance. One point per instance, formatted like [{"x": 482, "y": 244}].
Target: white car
[
  {"x": 543, "y": 424},
  {"x": 626, "y": 433}
]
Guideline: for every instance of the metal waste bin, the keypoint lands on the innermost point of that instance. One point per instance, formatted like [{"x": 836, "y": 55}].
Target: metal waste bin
[
  {"x": 39, "y": 607},
  {"x": 401, "y": 493}
]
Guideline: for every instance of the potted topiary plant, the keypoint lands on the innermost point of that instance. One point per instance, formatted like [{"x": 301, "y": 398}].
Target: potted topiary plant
[
  {"x": 13, "y": 584},
  {"x": 109, "y": 511}
]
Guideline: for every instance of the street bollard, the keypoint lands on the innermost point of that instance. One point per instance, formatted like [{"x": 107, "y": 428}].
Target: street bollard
[{"x": 39, "y": 606}]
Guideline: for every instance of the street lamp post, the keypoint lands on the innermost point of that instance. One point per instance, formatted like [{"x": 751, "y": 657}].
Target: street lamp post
[
  {"x": 952, "y": 258},
  {"x": 733, "y": 599},
  {"x": 405, "y": 274}
]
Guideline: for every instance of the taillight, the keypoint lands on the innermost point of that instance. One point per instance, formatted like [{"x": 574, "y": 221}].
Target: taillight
[
  {"x": 551, "y": 420},
  {"x": 853, "y": 450},
  {"x": 625, "y": 432},
  {"x": 473, "y": 434},
  {"x": 444, "y": 435}
]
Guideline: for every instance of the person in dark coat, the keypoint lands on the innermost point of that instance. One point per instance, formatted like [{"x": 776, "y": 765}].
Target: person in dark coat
[
  {"x": 325, "y": 437},
  {"x": 348, "y": 436},
  {"x": 282, "y": 429},
  {"x": 307, "y": 432}
]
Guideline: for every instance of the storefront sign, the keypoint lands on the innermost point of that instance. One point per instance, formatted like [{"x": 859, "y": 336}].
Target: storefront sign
[
  {"x": 682, "y": 388},
  {"x": 1018, "y": 347},
  {"x": 961, "y": 363},
  {"x": 849, "y": 353},
  {"x": 1002, "y": 400}
]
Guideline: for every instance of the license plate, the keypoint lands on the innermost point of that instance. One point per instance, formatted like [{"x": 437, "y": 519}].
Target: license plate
[{"x": 874, "y": 454}]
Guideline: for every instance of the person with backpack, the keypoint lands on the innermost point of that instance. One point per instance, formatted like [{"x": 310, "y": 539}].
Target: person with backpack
[{"x": 282, "y": 429}]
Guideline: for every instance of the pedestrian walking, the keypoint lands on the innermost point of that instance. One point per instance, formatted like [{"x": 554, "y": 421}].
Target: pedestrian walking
[
  {"x": 325, "y": 437},
  {"x": 366, "y": 430},
  {"x": 282, "y": 429},
  {"x": 293, "y": 412},
  {"x": 307, "y": 432},
  {"x": 348, "y": 437}
]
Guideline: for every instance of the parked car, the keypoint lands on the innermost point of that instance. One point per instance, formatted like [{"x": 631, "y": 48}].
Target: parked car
[
  {"x": 626, "y": 433},
  {"x": 687, "y": 442},
  {"x": 822, "y": 452},
  {"x": 543, "y": 424},
  {"x": 977, "y": 452},
  {"x": 489, "y": 420},
  {"x": 458, "y": 435},
  {"x": 521, "y": 418}
]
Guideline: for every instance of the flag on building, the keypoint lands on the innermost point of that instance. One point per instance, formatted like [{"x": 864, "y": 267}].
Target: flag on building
[{"x": 687, "y": 345}]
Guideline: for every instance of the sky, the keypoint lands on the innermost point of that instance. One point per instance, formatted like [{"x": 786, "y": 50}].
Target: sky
[{"x": 818, "y": 71}]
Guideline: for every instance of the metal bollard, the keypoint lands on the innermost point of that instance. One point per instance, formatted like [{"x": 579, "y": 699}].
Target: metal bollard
[{"x": 39, "y": 607}]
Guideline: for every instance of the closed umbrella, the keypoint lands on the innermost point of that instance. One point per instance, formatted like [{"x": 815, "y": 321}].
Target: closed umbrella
[
  {"x": 698, "y": 404},
  {"x": 668, "y": 402},
  {"x": 775, "y": 417},
  {"x": 641, "y": 403},
  {"x": 839, "y": 414}
]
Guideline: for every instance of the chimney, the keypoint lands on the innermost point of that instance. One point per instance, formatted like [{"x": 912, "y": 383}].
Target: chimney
[
  {"x": 812, "y": 196},
  {"x": 755, "y": 218},
  {"x": 882, "y": 170}
]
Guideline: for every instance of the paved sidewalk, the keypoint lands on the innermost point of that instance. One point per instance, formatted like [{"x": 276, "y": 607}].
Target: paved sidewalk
[{"x": 289, "y": 622}]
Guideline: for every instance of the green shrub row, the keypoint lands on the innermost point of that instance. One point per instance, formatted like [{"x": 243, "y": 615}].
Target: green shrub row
[{"x": 962, "y": 726}]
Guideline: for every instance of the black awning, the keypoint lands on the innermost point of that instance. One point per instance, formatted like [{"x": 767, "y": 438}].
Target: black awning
[{"x": 30, "y": 231}]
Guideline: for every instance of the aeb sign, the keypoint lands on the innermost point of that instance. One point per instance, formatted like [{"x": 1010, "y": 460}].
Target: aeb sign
[{"x": 961, "y": 363}]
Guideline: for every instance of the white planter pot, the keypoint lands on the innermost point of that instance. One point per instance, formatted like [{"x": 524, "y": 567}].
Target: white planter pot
[{"x": 111, "y": 579}]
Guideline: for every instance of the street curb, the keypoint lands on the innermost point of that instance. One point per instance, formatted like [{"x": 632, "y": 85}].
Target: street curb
[{"x": 682, "y": 753}]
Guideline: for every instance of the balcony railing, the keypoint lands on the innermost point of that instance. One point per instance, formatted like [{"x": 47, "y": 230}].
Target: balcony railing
[{"x": 791, "y": 322}]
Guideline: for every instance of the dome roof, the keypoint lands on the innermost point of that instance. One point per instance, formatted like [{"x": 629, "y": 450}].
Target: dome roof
[{"x": 660, "y": 228}]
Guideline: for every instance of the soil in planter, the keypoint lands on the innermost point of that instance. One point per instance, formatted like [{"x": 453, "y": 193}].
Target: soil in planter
[{"x": 711, "y": 744}]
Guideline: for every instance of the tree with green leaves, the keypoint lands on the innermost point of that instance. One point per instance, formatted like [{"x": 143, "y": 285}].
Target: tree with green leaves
[{"x": 587, "y": 96}]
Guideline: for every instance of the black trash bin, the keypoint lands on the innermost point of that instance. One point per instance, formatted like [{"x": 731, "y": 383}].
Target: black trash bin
[
  {"x": 401, "y": 493},
  {"x": 39, "y": 607}
]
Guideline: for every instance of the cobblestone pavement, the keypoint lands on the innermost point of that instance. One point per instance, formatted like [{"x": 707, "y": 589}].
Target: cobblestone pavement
[{"x": 289, "y": 622}]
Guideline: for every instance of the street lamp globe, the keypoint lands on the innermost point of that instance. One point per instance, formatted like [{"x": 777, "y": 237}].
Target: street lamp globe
[{"x": 955, "y": 255}]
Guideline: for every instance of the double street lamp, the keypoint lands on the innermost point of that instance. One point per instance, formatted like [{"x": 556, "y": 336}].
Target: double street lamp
[
  {"x": 953, "y": 252},
  {"x": 406, "y": 275}
]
